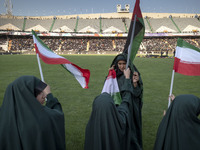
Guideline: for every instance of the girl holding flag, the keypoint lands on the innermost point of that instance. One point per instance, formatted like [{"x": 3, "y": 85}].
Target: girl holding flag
[{"x": 136, "y": 93}]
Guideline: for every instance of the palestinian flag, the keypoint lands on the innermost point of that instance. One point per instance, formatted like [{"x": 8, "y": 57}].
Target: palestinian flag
[
  {"x": 49, "y": 57},
  {"x": 187, "y": 59},
  {"x": 135, "y": 34},
  {"x": 111, "y": 87}
]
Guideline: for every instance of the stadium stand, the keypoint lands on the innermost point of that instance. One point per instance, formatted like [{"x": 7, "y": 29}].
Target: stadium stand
[
  {"x": 188, "y": 24},
  {"x": 11, "y": 24},
  {"x": 113, "y": 26},
  {"x": 88, "y": 25},
  {"x": 38, "y": 25},
  {"x": 162, "y": 25},
  {"x": 64, "y": 25},
  {"x": 99, "y": 34}
]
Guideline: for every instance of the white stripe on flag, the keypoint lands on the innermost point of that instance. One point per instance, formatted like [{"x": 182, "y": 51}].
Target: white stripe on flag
[
  {"x": 111, "y": 87},
  {"x": 187, "y": 55},
  {"x": 43, "y": 50},
  {"x": 77, "y": 74},
  {"x": 49, "y": 57}
]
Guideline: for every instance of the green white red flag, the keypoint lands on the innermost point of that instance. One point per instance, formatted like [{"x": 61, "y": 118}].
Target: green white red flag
[
  {"x": 187, "y": 59},
  {"x": 111, "y": 87},
  {"x": 49, "y": 57}
]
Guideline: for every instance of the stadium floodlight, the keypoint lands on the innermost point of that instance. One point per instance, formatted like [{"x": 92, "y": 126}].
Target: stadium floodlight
[
  {"x": 118, "y": 8},
  {"x": 125, "y": 10},
  {"x": 127, "y": 7}
]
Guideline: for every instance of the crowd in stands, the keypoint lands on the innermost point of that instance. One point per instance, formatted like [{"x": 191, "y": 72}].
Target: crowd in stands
[
  {"x": 63, "y": 44},
  {"x": 69, "y": 44},
  {"x": 20, "y": 44}
]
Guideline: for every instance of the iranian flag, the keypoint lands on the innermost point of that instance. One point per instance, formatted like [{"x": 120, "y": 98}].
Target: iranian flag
[
  {"x": 136, "y": 32},
  {"x": 111, "y": 87},
  {"x": 49, "y": 57},
  {"x": 187, "y": 59}
]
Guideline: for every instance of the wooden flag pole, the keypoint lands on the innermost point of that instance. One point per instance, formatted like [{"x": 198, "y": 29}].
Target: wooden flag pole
[
  {"x": 130, "y": 45},
  {"x": 171, "y": 87},
  {"x": 40, "y": 68}
]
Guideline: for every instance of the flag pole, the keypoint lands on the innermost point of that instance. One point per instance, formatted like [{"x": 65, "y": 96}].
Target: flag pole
[
  {"x": 130, "y": 45},
  {"x": 40, "y": 68},
  {"x": 171, "y": 87}
]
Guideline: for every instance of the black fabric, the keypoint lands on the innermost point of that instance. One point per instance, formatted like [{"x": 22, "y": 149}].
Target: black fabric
[
  {"x": 25, "y": 124},
  {"x": 115, "y": 63},
  {"x": 180, "y": 127},
  {"x": 121, "y": 75},
  {"x": 40, "y": 86},
  {"x": 111, "y": 127},
  {"x": 138, "y": 31},
  {"x": 136, "y": 96},
  {"x": 138, "y": 27},
  {"x": 132, "y": 67}
]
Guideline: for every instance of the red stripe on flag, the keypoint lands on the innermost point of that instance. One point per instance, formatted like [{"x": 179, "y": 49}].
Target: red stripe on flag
[
  {"x": 51, "y": 60},
  {"x": 137, "y": 10},
  {"x": 186, "y": 68},
  {"x": 111, "y": 74},
  {"x": 85, "y": 74},
  {"x": 36, "y": 48}
]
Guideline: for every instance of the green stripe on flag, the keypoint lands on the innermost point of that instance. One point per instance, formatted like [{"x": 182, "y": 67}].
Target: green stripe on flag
[
  {"x": 41, "y": 42},
  {"x": 136, "y": 43},
  {"x": 184, "y": 44},
  {"x": 117, "y": 98},
  {"x": 65, "y": 67}
]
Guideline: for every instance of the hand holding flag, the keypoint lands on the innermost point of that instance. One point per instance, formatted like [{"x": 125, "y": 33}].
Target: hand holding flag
[
  {"x": 186, "y": 61},
  {"x": 134, "y": 39}
]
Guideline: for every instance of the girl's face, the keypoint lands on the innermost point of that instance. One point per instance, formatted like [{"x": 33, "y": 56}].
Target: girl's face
[
  {"x": 121, "y": 65},
  {"x": 41, "y": 97}
]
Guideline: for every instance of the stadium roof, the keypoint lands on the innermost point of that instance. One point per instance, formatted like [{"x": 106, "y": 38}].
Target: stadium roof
[{"x": 108, "y": 15}]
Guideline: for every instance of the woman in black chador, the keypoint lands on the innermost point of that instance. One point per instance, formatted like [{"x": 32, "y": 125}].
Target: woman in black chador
[
  {"x": 180, "y": 127},
  {"x": 119, "y": 64},
  {"x": 111, "y": 126},
  {"x": 25, "y": 123}
]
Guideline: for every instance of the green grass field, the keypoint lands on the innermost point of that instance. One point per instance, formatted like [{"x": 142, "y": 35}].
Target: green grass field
[{"x": 77, "y": 102}]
